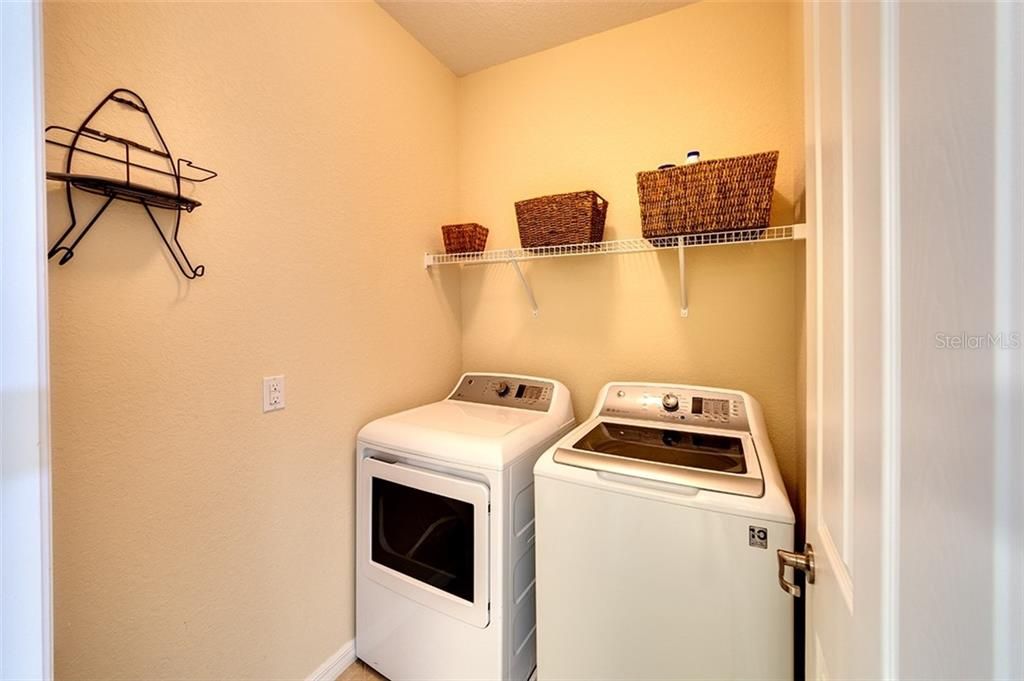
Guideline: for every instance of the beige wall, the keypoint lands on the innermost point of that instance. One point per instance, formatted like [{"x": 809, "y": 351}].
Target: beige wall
[
  {"x": 721, "y": 77},
  {"x": 195, "y": 537}
]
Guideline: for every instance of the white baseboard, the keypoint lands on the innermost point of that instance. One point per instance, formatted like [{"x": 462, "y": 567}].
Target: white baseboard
[{"x": 333, "y": 666}]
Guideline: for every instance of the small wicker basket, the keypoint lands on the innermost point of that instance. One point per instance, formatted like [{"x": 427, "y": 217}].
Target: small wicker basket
[
  {"x": 561, "y": 219},
  {"x": 709, "y": 196},
  {"x": 465, "y": 238}
]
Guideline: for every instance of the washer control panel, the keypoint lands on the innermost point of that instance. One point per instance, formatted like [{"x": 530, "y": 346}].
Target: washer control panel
[
  {"x": 504, "y": 391},
  {"x": 678, "y": 404}
]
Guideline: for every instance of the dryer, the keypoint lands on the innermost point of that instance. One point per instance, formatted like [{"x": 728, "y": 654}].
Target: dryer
[
  {"x": 658, "y": 521},
  {"x": 445, "y": 530}
]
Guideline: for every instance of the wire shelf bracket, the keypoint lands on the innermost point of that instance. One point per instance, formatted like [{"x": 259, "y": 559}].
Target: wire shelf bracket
[
  {"x": 515, "y": 256},
  {"x": 684, "y": 305},
  {"x": 526, "y": 287}
]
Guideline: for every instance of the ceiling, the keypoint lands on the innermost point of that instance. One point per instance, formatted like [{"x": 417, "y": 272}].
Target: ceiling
[{"x": 469, "y": 35}]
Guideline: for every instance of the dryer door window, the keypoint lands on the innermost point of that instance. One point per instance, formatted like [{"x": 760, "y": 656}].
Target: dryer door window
[
  {"x": 428, "y": 535},
  {"x": 423, "y": 535}
]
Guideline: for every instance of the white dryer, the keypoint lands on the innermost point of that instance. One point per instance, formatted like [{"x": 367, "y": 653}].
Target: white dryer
[
  {"x": 445, "y": 530},
  {"x": 658, "y": 521}
]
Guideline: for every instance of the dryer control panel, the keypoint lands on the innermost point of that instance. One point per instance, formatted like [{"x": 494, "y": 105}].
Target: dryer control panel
[
  {"x": 504, "y": 391},
  {"x": 679, "y": 404}
]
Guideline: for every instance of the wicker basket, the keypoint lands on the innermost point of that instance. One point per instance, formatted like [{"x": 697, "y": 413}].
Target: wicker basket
[
  {"x": 465, "y": 238},
  {"x": 561, "y": 219},
  {"x": 709, "y": 196}
]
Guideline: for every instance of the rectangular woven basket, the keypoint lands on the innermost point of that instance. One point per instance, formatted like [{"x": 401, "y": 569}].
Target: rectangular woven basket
[
  {"x": 709, "y": 196},
  {"x": 561, "y": 219},
  {"x": 465, "y": 238}
]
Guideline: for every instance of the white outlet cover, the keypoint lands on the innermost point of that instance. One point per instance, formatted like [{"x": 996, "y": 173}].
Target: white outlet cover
[{"x": 273, "y": 393}]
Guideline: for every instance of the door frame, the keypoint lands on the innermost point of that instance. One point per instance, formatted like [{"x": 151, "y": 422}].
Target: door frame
[{"x": 26, "y": 585}]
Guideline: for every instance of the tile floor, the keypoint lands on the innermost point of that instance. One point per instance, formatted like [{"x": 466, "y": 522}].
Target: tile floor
[{"x": 360, "y": 672}]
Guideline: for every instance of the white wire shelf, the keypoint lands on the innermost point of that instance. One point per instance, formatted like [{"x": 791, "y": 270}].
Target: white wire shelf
[
  {"x": 507, "y": 255},
  {"x": 514, "y": 256}
]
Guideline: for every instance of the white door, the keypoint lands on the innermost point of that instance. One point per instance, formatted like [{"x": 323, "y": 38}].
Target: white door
[{"x": 915, "y": 311}]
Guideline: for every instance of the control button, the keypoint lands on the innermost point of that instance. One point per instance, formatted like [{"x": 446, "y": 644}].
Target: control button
[
  {"x": 621, "y": 393},
  {"x": 670, "y": 402},
  {"x": 503, "y": 389}
]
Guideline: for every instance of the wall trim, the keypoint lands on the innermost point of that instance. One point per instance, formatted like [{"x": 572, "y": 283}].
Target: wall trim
[
  {"x": 26, "y": 585},
  {"x": 333, "y": 666},
  {"x": 891, "y": 341},
  {"x": 1008, "y": 563},
  {"x": 849, "y": 295}
]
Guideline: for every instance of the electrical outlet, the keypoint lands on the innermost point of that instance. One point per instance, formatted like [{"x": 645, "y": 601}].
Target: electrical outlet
[{"x": 273, "y": 393}]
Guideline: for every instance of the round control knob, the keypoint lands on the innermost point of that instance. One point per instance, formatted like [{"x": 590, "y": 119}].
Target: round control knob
[
  {"x": 503, "y": 389},
  {"x": 670, "y": 402}
]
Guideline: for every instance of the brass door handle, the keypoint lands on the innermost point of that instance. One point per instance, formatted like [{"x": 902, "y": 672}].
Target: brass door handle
[{"x": 798, "y": 561}]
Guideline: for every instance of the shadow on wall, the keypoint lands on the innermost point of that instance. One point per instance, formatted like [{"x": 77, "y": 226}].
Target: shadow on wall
[{"x": 120, "y": 244}]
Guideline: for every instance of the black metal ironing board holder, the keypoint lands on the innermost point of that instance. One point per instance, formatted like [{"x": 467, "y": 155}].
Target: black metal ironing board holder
[{"x": 125, "y": 189}]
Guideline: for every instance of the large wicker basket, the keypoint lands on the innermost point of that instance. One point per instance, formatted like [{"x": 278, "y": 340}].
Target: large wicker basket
[
  {"x": 465, "y": 238},
  {"x": 561, "y": 219},
  {"x": 709, "y": 196}
]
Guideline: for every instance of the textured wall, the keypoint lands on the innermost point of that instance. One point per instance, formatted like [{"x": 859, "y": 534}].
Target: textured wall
[
  {"x": 195, "y": 537},
  {"x": 721, "y": 77}
]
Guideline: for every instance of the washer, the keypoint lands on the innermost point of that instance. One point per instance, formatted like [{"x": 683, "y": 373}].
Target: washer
[
  {"x": 658, "y": 520},
  {"x": 445, "y": 530}
]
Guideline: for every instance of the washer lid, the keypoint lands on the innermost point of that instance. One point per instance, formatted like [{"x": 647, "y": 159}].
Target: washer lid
[{"x": 716, "y": 460}]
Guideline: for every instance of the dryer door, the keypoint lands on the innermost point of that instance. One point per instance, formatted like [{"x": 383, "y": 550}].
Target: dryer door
[{"x": 428, "y": 538}]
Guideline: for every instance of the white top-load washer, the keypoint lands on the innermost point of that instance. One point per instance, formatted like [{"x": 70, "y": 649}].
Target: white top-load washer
[
  {"x": 658, "y": 521},
  {"x": 445, "y": 530}
]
